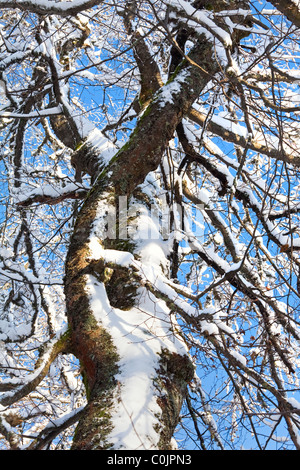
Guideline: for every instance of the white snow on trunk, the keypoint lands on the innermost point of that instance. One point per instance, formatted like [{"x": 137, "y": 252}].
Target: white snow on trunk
[{"x": 139, "y": 333}]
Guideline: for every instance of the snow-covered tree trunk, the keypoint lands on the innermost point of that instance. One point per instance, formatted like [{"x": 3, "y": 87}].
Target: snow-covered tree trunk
[
  {"x": 135, "y": 364},
  {"x": 136, "y": 367},
  {"x": 121, "y": 125}
]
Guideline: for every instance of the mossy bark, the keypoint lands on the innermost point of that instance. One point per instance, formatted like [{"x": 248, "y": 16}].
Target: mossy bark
[
  {"x": 91, "y": 343},
  {"x": 175, "y": 372}
]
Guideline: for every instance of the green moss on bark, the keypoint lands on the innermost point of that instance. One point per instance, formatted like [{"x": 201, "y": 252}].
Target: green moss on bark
[{"x": 176, "y": 371}]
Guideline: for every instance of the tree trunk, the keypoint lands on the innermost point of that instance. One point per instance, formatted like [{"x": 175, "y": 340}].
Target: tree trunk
[{"x": 135, "y": 368}]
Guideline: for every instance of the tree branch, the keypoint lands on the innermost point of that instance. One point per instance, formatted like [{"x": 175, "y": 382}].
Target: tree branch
[
  {"x": 48, "y": 7},
  {"x": 238, "y": 139},
  {"x": 54, "y": 348},
  {"x": 290, "y": 9}
]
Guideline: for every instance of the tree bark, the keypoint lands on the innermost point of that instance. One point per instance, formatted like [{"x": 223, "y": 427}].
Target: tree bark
[
  {"x": 290, "y": 9},
  {"x": 120, "y": 287},
  {"x": 92, "y": 343}
]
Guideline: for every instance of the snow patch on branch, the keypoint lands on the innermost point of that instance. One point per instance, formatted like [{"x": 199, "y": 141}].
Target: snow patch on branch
[
  {"x": 202, "y": 18},
  {"x": 34, "y": 114}
]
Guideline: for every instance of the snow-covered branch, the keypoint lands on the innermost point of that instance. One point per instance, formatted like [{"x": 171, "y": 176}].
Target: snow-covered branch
[
  {"x": 43, "y": 7},
  {"x": 24, "y": 386}
]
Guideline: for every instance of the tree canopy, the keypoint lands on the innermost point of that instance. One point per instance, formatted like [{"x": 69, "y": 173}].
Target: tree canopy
[{"x": 150, "y": 200}]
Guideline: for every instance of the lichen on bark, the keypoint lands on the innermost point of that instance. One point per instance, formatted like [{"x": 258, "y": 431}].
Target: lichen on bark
[
  {"x": 175, "y": 372},
  {"x": 92, "y": 343}
]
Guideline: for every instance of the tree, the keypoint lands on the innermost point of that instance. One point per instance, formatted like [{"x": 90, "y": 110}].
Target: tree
[{"x": 149, "y": 261}]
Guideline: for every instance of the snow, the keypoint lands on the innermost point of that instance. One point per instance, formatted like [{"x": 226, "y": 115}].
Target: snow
[
  {"x": 209, "y": 328},
  {"x": 48, "y": 190},
  {"x": 46, "y": 5},
  {"x": 142, "y": 332},
  {"x": 139, "y": 334},
  {"x": 33, "y": 114},
  {"x": 202, "y": 18},
  {"x": 12, "y": 332},
  {"x": 230, "y": 126},
  {"x": 238, "y": 357},
  {"x": 168, "y": 93},
  {"x": 97, "y": 139},
  {"x": 121, "y": 258},
  {"x": 22, "y": 381}
]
